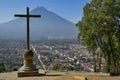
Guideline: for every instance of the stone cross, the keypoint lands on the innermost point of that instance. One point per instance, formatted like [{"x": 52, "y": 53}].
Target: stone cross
[
  {"x": 28, "y": 68},
  {"x": 28, "y": 16}
]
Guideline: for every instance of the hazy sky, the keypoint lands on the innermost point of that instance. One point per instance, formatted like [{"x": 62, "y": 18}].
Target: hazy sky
[{"x": 71, "y": 10}]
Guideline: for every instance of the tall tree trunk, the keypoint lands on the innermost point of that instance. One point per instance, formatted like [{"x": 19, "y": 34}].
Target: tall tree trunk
[
  {"x": 112, "y": 57},
  {"x": 109, "y": 63},
  {"x": 94, "y": 61},
  {"x": 100, "y": 58}
]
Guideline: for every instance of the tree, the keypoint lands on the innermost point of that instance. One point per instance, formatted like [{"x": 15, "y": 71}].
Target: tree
[
  {"x": 2, "y": 67},
  {"x": 100, "y": 27}
]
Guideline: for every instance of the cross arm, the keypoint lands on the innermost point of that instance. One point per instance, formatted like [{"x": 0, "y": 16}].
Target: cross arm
[
  {"x": 35, "y": 15},
  {"x": 20, "y": 15}
]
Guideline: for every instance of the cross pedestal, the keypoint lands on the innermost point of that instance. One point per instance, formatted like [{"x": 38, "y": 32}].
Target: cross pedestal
[{"x": 28, "y": 69}]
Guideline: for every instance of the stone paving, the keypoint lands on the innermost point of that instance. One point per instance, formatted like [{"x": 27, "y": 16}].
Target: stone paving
[{"x": 60, "y": 76}]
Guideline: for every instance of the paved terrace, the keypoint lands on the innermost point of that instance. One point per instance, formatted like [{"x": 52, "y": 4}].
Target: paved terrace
[{"x": 52, "y": 75}]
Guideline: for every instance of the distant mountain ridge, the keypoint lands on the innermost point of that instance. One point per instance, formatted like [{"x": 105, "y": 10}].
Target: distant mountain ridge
[{"x": 49, "y": 26}]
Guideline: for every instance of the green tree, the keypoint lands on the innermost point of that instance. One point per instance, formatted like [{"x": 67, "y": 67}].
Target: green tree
[
  {"x": 2, "y": 67},
  {"x": 100, "y": 27}
]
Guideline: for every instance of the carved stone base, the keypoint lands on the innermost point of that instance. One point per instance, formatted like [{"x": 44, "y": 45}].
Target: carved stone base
[
  {"x": 28, "y": 69},
  {"x": 25, "y": 71},
  {"x": 28, "y": 74}
]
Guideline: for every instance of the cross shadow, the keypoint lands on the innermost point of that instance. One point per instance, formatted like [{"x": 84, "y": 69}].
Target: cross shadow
[{"x": 51, "y": 74}]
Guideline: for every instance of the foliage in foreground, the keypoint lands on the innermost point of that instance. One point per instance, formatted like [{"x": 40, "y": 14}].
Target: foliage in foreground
[{"x": 2, "y": 67}]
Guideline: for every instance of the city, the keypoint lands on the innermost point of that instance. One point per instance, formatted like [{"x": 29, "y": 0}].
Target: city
[{"x": 61, "y": 55}]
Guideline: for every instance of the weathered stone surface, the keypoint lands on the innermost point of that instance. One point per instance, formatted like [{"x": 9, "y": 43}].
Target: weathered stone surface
[
  {"x": 28, "y": 74},
  {"x": 55, "y": 75},
  {"x": 28, "y": 69},
  {"x": 80, "y": 78}
]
